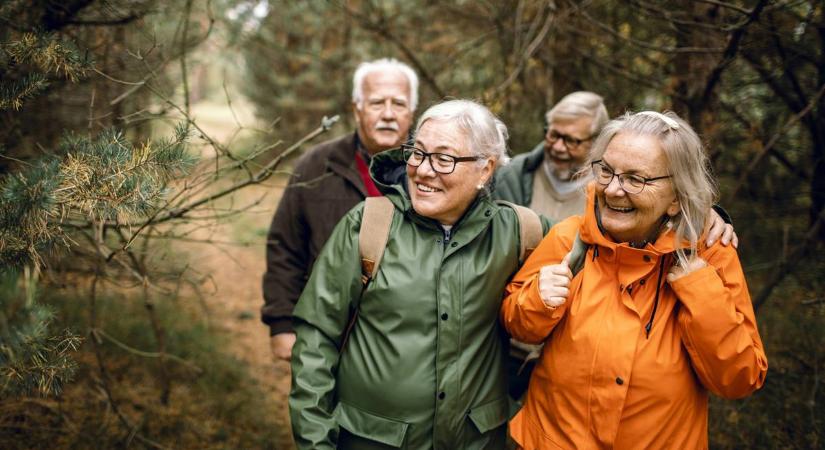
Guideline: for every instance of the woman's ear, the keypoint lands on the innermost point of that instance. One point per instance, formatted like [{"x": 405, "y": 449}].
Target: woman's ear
[
  {"x": 488, "y": 170},
  {"x": 674, "y": 208}
]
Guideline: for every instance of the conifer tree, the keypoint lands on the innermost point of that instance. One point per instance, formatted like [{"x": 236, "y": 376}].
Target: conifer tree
[{"x": 96, "y": 179}]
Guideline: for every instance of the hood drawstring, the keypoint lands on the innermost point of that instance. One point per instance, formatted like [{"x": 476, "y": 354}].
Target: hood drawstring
[{"x": 656, "y": 299}]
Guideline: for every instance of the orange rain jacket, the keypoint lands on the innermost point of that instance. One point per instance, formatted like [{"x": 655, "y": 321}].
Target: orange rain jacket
[{"x": 600, "y": 381}]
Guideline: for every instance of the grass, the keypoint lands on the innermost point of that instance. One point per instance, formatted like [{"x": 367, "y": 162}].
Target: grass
[{"x": 213, "y": 401}]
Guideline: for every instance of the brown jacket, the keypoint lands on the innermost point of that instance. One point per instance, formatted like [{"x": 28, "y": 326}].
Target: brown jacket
[{"x": 324, "y": 186}]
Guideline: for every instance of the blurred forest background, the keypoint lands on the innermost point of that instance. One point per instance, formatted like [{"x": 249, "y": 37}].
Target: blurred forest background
[{"x": 144, "y": 145}]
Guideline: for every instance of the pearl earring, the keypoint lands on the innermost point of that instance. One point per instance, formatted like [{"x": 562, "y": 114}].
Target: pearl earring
[{"x": 480, "y": 186}]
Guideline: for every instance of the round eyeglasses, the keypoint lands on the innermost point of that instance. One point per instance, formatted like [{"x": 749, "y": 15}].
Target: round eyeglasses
[
  {"x": 569, "y": 141},
  {"x": 632, "y": 184},
  {"x": 440, "y": 162}
]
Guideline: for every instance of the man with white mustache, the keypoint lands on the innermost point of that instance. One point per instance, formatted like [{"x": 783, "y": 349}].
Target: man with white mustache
[{"x": 328, "y": 181}]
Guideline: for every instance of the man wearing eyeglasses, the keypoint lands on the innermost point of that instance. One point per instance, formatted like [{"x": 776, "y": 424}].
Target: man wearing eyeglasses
[
  {"x": 329, "y": 180},
  {"x": 548, "y": 178}
]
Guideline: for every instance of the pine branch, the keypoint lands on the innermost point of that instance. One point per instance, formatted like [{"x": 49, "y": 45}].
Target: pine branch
[
  {"x": 14, "y": 93},
  {"x": 106, "y": 178},
  {"x": 49, "y": 53},
  {"x": 33, "y": 360}
]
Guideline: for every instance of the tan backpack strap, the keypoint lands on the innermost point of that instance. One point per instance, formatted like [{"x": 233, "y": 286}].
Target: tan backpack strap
[
  {"x": 373, "y": 235},
  {"x": 530, "y": 230}
]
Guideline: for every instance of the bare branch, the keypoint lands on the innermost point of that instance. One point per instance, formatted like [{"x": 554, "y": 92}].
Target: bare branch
[
  {"x": 383, "y": 30},
  {"x": 788, "y": 125},
  {"x": 727, "y": 5},
  {"x": 730, "y": 51},
  {"x": 528, "y": 53},
  {"x": 645, "y": 44},
  {"x": 790, "y": 263}
]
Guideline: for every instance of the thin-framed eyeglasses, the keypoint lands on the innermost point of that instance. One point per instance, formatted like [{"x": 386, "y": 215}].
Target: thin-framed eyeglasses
[
  {"x": 569, "y": 141},
  {"x": 440, "y": 162},
  {"x": 630, "y": 183}
]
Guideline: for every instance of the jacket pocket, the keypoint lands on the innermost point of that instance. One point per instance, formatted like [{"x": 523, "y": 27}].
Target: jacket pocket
[
  {"x": 370, "y": 426},
  {"x": 490, "y": 415}
]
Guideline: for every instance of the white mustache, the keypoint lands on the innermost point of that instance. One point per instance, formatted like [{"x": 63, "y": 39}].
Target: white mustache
[{"x": 387, "y": 125}]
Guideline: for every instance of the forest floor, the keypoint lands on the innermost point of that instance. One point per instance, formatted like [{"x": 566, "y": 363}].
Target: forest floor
[{"x": 236, "y": 268}]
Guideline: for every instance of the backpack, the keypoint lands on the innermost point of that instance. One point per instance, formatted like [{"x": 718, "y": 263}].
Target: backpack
[{"x": 375, "y": 231}]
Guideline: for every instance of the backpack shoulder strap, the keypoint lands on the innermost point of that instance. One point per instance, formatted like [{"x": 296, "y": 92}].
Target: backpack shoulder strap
[
  {"x": 577, "y": 255},
  {"x": 530, "y": 230},
  {"x": 373, "y": 235}
]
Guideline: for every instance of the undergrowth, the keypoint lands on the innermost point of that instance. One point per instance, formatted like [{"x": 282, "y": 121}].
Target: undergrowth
[{"x": 213, "y": 401}]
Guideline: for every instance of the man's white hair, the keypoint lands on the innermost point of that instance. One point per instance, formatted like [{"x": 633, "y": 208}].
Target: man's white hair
[
  {"x": 580, "y": 104},
  {"x": 380, "y": 65}
]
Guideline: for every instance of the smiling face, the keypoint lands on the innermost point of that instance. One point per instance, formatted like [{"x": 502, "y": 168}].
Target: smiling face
[
  {"x": 445, "y": 197},
  {"x": 634, "y": 218},
  {"x": 566, "y": 160},
  {"x": 384, "y": 115}
]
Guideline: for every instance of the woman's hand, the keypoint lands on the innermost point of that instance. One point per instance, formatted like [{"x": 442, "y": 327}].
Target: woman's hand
[
  {"x": 717, "y": 230},
  {"x": 553, "y": 283},
  {"x": 677, "y": 271}
]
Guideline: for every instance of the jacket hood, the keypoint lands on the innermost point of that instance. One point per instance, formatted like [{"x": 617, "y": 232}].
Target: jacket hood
[
  {"x": 591, "y": 231},
  {"x": 389, "y": 172}
]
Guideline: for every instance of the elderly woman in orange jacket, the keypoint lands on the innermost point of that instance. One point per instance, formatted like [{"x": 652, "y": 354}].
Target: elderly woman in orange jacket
[{"x": 653, "y": 322}]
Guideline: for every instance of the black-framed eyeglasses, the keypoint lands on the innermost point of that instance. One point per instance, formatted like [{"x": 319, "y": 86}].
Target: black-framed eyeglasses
[
  {"x": 569, "y": 141},
  {"x": 632, "y": 184},
  {"x": 440, "y": 162}
]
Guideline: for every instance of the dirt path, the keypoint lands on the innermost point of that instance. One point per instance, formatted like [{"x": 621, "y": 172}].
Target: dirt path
[{"x": 235, "y": 300}]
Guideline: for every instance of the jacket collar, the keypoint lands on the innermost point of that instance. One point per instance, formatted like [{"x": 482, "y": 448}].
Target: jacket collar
[{"x": 342, "y": 161}]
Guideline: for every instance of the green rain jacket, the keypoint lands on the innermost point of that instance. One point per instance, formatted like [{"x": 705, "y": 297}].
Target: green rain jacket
[
  {"x": 514, "y": 182},
  {"x": 423, "y": 366}
]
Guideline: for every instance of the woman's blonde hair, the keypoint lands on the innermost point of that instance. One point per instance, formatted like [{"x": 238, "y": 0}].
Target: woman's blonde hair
[{"x": 688, "y": 166}]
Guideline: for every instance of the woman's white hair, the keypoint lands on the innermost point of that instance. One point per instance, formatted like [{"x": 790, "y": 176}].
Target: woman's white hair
[
  {"x": 381, "y": 65},
  {"x": 486, "y": 134},
  {"x": 688, "y": 166},
  {"x": 580, "y": 104}
]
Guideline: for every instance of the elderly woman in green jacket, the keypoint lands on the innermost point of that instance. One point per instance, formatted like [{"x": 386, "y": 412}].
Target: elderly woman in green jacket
[{"x": 423, "y": 364}]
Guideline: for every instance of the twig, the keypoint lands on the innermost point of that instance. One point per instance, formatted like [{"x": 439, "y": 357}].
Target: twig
[
  {"x": 134, "y": 351},
  {"x": 645, "y": 44},
  {"x": 229, "y": 102},
  {"x": 727, "y": 5},
  {"x": 261, "y": 175},
  {"x": 183, "y": 70},
  {"x": 111, "y": 78},
  {"x": 104, "y": 375},
  {"x": 730, "y": 50},
  {"x": 382, "y": 29},
  {"x": 528, "y": 53},
  {"x": 794, "y": 258}
]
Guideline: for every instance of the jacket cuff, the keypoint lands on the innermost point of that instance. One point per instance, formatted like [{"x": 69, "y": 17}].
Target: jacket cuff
[{"x": 280, "y": 326}]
